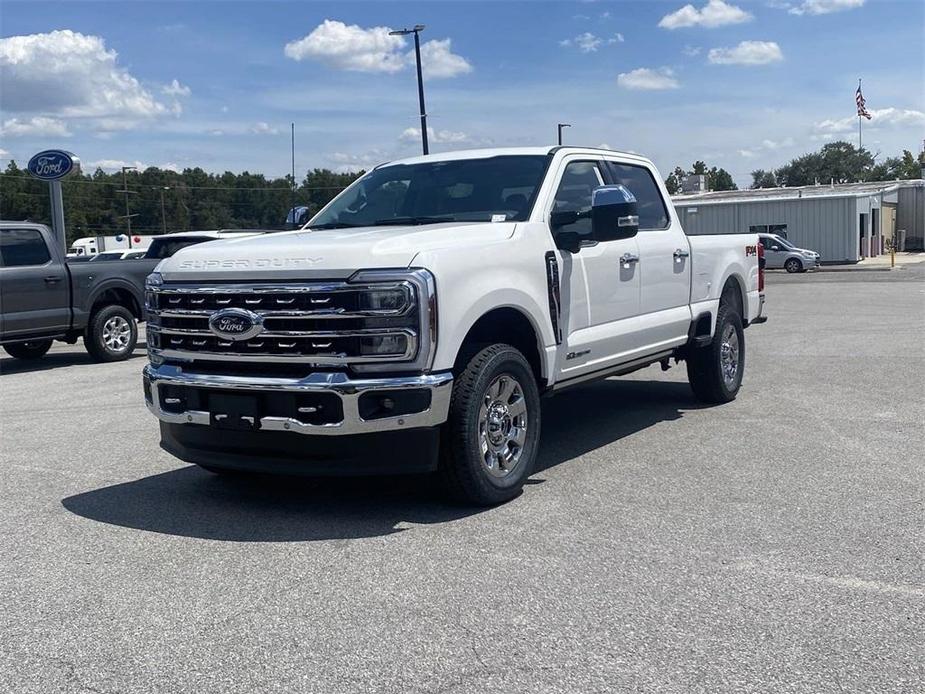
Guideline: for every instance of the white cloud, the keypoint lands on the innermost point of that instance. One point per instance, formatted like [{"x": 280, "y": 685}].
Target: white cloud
[
  {"x": 825, "y": 6},
  {"x": 691, "y": 51},
  {"x": 715, "y": 13},
  {"x": 438, "y": 61},
  {"x": 351, "y": 47},
  {"x": 434, "y": 136},
  {"x": 4, "y": 154},
  {"x": 69, "y": 74},
  {"x": 113, "y": 165},
  {"x": 766, "y": 146},
  {"x": 262, "y": 128},
  {"x": 880, "y": 118},
  {"x": 589, "y": 43},
  {"x": 41, "y": 126},
  {"x": 648, "y": 79},
  {"x": 747, "y": 53},
  {"x": 176, "y": 89}
]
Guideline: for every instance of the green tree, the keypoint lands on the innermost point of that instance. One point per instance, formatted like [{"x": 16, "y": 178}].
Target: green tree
[
  {"x": 840, "y": 162},
  {"x": 717, "y": 179},
  {"x": 897, "y": 168},
  {"x": 763, "y": 179}
]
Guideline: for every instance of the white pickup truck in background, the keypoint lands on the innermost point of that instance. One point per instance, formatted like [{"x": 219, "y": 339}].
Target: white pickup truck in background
[{"x": 413, "y": 324}]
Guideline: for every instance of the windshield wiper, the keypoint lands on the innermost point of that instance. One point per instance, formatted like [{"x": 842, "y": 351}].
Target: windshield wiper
[
  {"x": 334, "y": 225},
  {"x": 413, "y": 220}
]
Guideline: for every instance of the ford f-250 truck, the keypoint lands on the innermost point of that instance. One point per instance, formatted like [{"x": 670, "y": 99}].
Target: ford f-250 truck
[
  {"x": 415, "y": 321},
  {"x": 44, "y": 298}
]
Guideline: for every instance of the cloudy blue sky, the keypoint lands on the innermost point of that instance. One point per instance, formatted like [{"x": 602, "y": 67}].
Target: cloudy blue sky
[{"x": 739, "y": 84}]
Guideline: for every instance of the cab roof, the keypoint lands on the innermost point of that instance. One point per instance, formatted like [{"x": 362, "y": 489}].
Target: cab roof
[{"x": 509, "y": 151}]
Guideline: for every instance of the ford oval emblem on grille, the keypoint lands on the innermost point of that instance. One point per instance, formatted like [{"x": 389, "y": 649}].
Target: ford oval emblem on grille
[{"x": 236, "y": 324}]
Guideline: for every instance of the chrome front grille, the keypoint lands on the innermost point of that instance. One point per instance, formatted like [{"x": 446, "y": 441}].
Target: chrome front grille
[{"x": 323, "y": 323}]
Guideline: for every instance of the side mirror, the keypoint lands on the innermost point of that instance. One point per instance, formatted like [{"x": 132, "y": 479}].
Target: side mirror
[
  {"x": 614, "y": 213},
  {"x": 569, "y": 241}
]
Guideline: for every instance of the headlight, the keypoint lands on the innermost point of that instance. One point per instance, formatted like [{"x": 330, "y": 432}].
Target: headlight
[
  {"x": 154, "y": 280},
  {"x": 388, "y": 299}
]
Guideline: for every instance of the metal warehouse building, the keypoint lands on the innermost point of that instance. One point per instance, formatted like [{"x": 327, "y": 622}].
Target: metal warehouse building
[{"x": 843, "y": 223}]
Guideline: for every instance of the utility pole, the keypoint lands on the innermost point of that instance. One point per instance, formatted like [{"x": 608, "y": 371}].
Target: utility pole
[
  {"x": 127, "y": 192},
  {"x": 416, "y": 30},
  {"x": 163, "y": 211},
  {"x": 563, "y": 125}
]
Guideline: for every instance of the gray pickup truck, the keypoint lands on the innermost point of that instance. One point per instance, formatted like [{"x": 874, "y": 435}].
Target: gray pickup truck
[{"x": 44, "y": 298}]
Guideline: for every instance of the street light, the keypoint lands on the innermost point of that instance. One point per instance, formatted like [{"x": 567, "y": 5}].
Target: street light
[
  {"x": 563, "y": 125},
  {"x": 418, "y": 28}
]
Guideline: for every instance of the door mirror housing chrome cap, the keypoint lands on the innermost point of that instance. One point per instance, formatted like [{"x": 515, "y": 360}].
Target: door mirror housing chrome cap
[{"x": 614, "y": 213}]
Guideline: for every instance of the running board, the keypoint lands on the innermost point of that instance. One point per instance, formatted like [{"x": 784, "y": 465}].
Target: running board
[{"x": 617, "y": 370}]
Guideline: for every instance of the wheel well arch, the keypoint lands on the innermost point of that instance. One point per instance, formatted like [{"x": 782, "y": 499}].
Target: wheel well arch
[
  {"x": 507, "y": 325},
  {"x": 734, "y": 291},
  {"x": 117, "y": 295}
]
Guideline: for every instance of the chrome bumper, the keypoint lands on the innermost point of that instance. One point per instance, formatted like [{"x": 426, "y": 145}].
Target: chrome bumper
[{"x": 348, "y": 390}]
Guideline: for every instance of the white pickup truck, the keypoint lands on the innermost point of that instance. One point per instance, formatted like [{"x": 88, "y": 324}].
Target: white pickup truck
[{"x": 413, "y": 324}]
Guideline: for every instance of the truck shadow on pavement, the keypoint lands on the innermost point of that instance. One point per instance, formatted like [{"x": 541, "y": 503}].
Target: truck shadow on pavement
[
  {"x": 55, "y": 360},
  {"x": 190, "y": 502}
]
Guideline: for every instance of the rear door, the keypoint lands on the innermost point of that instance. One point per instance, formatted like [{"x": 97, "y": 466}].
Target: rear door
[
  {"x": 34, "y": 292},
  {"x": 664, "y": 258}
]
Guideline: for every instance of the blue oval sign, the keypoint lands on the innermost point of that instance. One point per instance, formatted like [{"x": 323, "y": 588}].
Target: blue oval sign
[{"x": 53, "y": 164}]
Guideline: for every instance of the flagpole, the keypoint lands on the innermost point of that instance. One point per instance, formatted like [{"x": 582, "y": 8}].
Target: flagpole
[{"x": 859, "y": 118}]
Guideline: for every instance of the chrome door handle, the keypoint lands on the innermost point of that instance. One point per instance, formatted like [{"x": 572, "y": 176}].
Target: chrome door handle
[
  {"x": 679, "y": 253},
  {"x": 628, "y": 258}
]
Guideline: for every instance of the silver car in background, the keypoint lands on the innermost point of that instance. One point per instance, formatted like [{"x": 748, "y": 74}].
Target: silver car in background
[{"x": 780, "y": 253}]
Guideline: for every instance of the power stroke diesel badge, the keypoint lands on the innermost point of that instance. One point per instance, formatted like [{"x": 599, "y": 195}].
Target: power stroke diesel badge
[{"x": 236, "y": 324}]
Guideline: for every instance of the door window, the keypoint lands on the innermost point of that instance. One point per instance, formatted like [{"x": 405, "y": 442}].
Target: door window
[
  {"x": 579, "y": 180},
  {"x": 652, "y": 211},
  {"x": 21, "y": 247}
]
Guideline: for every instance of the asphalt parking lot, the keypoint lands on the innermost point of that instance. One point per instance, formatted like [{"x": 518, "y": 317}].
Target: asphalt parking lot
[{"x": 773, "y": 544}]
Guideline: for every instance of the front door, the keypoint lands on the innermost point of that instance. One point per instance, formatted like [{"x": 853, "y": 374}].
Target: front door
[
  {"x": 33, "y": 290},
  {"x": 774, "y": 253},
  {"x": 600, "y": 283}
]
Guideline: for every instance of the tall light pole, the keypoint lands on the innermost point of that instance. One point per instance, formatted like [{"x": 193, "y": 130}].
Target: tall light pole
[
  {"x": 563, "y": 125},
  {"x": 416, "y": 30},
  {"x": 127, "y": 192}
]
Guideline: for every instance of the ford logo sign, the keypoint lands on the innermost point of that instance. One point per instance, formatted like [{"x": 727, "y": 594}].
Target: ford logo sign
[
  {"x": 236, "y": 324},
  {"x": 53, "y": 164}
]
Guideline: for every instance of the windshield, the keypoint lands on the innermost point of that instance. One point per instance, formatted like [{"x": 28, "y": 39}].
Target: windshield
[
  {"x": 783, "y": 243},
  {"x": 465, "y": 190}
]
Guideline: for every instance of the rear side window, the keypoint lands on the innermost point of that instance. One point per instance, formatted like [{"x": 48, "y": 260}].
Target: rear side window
[
  {"x": 22, "y": 247},
  {"x": 652, "y": 211}
]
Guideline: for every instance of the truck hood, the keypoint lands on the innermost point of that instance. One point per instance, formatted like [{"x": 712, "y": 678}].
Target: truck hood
[{"x": 330, "y": 253}]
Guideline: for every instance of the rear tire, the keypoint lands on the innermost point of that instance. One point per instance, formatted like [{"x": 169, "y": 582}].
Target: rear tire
[
  {"x": 112, "y": 334},
  {"x": 34, "y": 349},
  {"x": 490, "y": 441},
  {"x": 793, "y": 265},
  {"x": 715, "y": 370}
]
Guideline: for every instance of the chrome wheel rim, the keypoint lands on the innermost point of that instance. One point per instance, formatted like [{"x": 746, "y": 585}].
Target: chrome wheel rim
[
  {"x": 116, "y": 334},
  {"x": 729, "y": 355},
  {"x": 502, "y": 426}
]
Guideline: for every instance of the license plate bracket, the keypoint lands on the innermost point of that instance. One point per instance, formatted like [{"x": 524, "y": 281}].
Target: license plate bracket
[{"x": 237, "y": 412}]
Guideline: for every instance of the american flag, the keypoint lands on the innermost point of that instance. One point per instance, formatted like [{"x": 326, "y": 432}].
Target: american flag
[{"x": 862, "y": 108}]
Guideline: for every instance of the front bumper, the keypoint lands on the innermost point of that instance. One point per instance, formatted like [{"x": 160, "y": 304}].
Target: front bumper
[{"x": 324, "y": 403}]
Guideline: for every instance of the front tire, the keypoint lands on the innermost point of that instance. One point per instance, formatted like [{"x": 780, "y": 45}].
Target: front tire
[
  {"x": 34, "y": 349},
  {"x": 112, "y": 334},
  {"x": 793, "y": 265},
  {"x": 490, "y": 441},
  {"x": 715, "y": 370}
]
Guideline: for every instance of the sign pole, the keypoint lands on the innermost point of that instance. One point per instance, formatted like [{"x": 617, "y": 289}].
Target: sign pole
[{"x": 57, "y": 214}]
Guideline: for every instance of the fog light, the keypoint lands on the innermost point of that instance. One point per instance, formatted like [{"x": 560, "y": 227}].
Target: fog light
[{"x": 383, "y": 345}]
